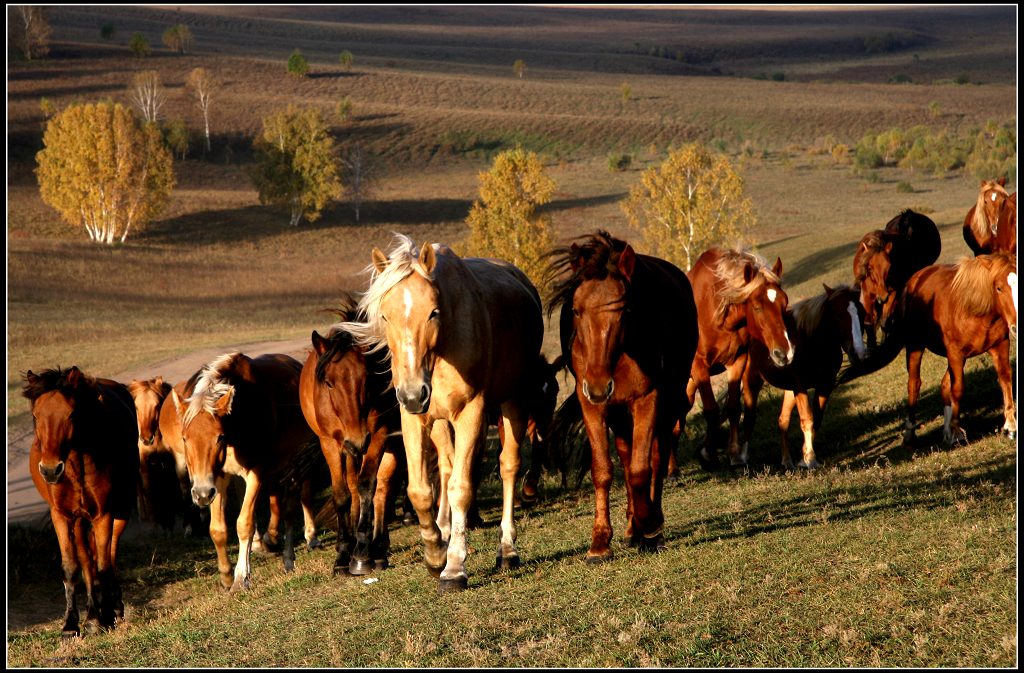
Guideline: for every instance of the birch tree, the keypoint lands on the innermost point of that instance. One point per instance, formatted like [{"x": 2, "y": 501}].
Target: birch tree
[
  {"x": 694, "y": 200},
  {"x": 202, "y": 84},
  {"x": 30, "y": 30},
  {"x": 103, "y": 171},
  {"x": 147, "y": 95},
  {"x": 358, "y": 176}
]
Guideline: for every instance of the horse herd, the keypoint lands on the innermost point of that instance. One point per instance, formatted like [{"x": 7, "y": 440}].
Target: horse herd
[{"x": 458, "y": 343}]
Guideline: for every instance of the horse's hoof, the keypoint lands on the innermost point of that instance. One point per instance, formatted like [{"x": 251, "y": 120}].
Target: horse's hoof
[
  {"x": 706, "y": 463},
  {"x": 450, "y": 586},
  {"x": 92, "y": 627},
  {"x": 436, "y": 572},
  {"x": 1011, "y": 434},
  {"x": 509, "y": 562},
  {"x": 358, "y": 567},
  {"x": 596, "y": 559},
  {"x": 340, "y": 569},
  {"x": 810, "y": 467},
  {"x": 408, "y": 519},
  {"x": 241, "y": 585},
  {"x": 289, "y": 565},
  {"x": 315, "y": 543},
  {"x": 70, "y": 633},
  {"x": 380, "y": 564},
  {"x": 654, "y": 545}
]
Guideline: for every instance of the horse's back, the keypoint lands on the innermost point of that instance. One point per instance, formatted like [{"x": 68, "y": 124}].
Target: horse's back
[
  {"x": 666, "y": 312},
  {"x": 923, "y": 243}
]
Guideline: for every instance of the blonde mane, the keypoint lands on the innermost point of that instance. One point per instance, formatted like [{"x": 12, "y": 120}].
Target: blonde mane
[
  {"x": 731, "y": 288},
  {"x": 972, "y": 287},
  {"x": 210, "y": 387},
  {"x": 980, "y": 223},
  {"x": 403, "y": 261}
]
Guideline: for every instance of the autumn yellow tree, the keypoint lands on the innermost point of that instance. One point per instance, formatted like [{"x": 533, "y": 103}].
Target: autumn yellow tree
[
  {"x": 178, "y": 38},
  {"x": 504, "y": 223},
  {"x": 694, "y": 200},
  {"x": 296, "y": 163},
  {"x": 202, "y": 83},
  {"x": 102, "y": 170}
]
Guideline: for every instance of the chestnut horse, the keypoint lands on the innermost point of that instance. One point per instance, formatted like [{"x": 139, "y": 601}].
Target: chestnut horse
[
  {"x": 886, "y": 259},
  {"x": 740, "y": 301},
  {"x": 981, "y": 223},
  {"x": 628, "y": 326},
  {"x": 149, "y": 396},
  {"x": 243, "y": 418},
  {"x": 346, "y": 398},
  {"x": 85, "y": 463},
  {"x": 1006, "y": 229},
  {"x": 463, "y": 334},
  {"x": 960, "y": 311},
  {"x": 823, "y": 328}
]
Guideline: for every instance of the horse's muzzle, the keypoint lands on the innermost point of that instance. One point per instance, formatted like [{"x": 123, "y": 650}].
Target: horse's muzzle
[
  {"x": 202, "y": 496},
  {"x": 149, "y": 441},
  {"x": 357, "y": 450},
  {"x": 51, "y": 475},
  {"x": 598, "y": 397},
  {"x": 415, "y": 400},
  {"x": 781, "y": 358}
]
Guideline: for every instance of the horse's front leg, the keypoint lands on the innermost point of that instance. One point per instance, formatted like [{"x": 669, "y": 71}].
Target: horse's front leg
[
  {"x": 362, "y": 563},
  {"x": 383, "y": 500},
  {"x": 1001, "y": 359},
  {"x": 219, "y": 529},
  {"x": 245, "y": 526},
  {"x": 69, "y": 557},
  {"x": 595, "y": 421},
  {"x": 647, "y": 521},
  {"x": 416, "y": 435},
  {"x": 341, "y": 497},
  {"x": 708, "y": 455},
  {"x": 471, "y": 423},
  {"x": 952, "y": 392},
  {"x": 737, "y": 374},
  {"x": 309, "y": 516},
  {"x": 103, "y": 533},
  {"x": 913, "y": 393},
  {"x": 785, "y": 416},
  {"x": 441, "y": 436},
  {"x": 807, "y": 425}
]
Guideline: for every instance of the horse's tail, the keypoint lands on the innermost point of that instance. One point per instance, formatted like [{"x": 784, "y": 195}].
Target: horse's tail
[
  {"x": 567, "y": 441},
  {"x": 878, "y": 358}
]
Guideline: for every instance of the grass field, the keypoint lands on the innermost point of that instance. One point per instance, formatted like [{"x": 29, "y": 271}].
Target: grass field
[{"x": 890, "y": 556}]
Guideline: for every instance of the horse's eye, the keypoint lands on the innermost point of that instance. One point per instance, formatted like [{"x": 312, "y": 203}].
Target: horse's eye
[
  {"x": 576, "y": 312},
  {"x": 329, "y": 383},
  {"x": 384, "y": 318},
  {"x": 435, "y": 314}
]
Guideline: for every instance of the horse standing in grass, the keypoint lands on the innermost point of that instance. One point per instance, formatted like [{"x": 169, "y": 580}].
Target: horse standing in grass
[
  {"x": 628, "y": 326},
  {"x": 462, "y": 334},
  {"x": 740, "y": 301},
  {"x": 886, "y": 259},
  {"x": 981, "y": 223},
  {"x": 243, "y": 418},
  {"x": 346, "y": 398},
  {"x": 85, "y": 463},
  {"x": 823, "y": 328},
  {"x": 149, "y": 396},
  {"x": 960, "y": 311}
]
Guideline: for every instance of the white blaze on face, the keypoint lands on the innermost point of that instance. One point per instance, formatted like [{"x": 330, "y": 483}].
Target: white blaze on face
[
  {"x": 993, "y": 197},
  {"x": 1011, "y": 280},
  {"x": 771, "y": 295},
  {"x": 858, "y": 340},
  {"x": 407, "y": 300}
]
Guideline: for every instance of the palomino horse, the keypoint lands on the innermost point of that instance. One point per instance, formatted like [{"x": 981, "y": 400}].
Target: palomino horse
[
  {"x": 346, "y": 398},
  {"x": 85, "y": 463},
  {"x": 960, "y": 311},
  {"x": 149, "y": 396},
  {"x": 1006, "y": 229},
  {"x": 628, "y": 326},
  {"x": 981, "y": 222},
  {"x": 823, "y": 328},
  {"x": 886, "y": 259},
  {"x": 170, "y": 441},
  {"x": 462, "y": 335},
  {"x": 740, "y": 301},
  {"x": 243, "y": 418}
]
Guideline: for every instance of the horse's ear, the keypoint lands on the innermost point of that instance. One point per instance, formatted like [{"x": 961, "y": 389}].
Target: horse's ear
[
  {"x": 828, "y": 290},
  {"x": 1002, "y": 181},
  {"x": 575, "y": 258},
  {"x": 74, "y": 376},
  {"x": 243, "y": 367},
  {"x": 777, "y": 267},
  {"x": 222, "y": 407},
  {"x": 427, "y": 257},
  {"x": 179, "y": 406},
  {"x": 319, "y": 343},
  {"x": 888, "y": 247},
  {"x": 380, "y": 260},
  {"x": 158, "y": 381},
  {"x": 748, "y": 272},
  {"x": 627, "y": 262}
]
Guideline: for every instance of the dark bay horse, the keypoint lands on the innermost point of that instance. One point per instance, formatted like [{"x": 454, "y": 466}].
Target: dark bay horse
[
  {"x": 961, "y": 311},
  {"x": 149, "y": 396},
  {"x": 981, "y": 223},
  {"x": 243, "y": 418},
  {"x": 740, "y": 301},
  {"x": 462, "y": 334},
  {"x": 347, "y": 400},
  {"x": 628, "y": 328},
  {"x": 84, "y": 462},
  {"x": 822, "y": 328},
  {"x": 886, "y": 259}
]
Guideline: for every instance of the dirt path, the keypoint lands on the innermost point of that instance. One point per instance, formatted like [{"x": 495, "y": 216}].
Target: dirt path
[{"x": 25, "y": 506}]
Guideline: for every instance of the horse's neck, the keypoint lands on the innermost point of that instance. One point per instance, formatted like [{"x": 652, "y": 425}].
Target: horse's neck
[{"x": 468, "y": 323}]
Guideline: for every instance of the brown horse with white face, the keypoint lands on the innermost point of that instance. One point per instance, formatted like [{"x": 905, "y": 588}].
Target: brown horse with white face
[
  {"x": 149, "y": 396},
  {"x": 628, "y": 326},
  {"x": 981, "y": 223},
  {"x": 84, "y": 463},
  {"x": 346, "y": 398},
  {"x": 462, "y": 333},
  {"x": 961, "y": 311},
  {"x": 823, "y": 328},
  {"x": 739, "y": 301},
  {"x": 243, "y": 418}
]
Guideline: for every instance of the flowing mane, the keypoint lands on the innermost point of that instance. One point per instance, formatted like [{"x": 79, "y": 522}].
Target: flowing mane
[
  {"x": 54, "y": 379},
  {"x": 980, "y": 223},
  {"x": 731, "y": 287},
  {"x": 403, "y": 261},
  {"x": 972, "y": 288},
  {"x": 596, "y": 259},
  {"x": 210, "y": 387}
]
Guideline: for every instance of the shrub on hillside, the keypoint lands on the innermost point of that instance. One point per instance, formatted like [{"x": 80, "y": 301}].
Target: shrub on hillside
[
  {"x": 297, "y": 64},
  {"x": 619, "y": 161}
]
